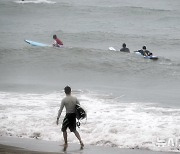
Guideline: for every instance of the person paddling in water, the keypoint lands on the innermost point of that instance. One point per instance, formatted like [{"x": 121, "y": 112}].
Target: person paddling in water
[
  {"x": 124, "y": 48},
  {"x": 57, "y": 42},
  {"x": 146, "y": 52},
  {"x": 70, "y": 119}
]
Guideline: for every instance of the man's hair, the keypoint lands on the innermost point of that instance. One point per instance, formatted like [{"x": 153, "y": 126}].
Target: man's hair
[
  {"x": 144, "y": 47},
  {"x": 124, "y": 45},
  {"x": 67, "y": 90},
  {"x": 54, "y": 36}
]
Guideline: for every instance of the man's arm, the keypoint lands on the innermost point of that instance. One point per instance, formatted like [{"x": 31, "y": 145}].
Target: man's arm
[
  {"x": 54, "y": 43},
  {"x": 59, "y": 112},
  {"x": 77, "y": 101}
]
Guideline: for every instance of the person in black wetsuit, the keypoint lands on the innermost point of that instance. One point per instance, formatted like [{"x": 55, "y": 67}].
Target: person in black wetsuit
[
  {"x": 124, "y": 48},
  {"x": 145, "y": 52}
]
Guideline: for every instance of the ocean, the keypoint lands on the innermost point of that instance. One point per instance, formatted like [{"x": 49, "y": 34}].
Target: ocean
[{"x": 131, "y": 102}]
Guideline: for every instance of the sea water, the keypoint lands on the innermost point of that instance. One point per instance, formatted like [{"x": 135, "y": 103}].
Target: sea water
[{"x": 131, "y": 102}]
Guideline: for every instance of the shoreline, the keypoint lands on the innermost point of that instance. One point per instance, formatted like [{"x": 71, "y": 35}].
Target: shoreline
[{"x": 13, "y": 145}]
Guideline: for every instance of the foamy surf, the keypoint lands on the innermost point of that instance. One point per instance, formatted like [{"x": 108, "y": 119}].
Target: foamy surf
[{"x": 110, "y": 122}]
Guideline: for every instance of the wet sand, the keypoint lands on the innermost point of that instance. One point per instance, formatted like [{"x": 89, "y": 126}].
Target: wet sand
[{"x": 11, "y": 145}]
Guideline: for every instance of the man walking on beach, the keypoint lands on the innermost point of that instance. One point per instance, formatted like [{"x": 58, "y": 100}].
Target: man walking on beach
[{"x": 70, "y": 119}]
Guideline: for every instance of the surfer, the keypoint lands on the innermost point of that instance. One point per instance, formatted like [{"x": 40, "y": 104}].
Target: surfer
[
  {"x": 57, "y": 42},
  {"x": 145, "y": 52},
  {"x": 70, "y": 119},
  {"x": 124, "y": 48}
]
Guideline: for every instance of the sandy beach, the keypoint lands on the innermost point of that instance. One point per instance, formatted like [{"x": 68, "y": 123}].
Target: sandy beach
[{"x": 11, "y": 145}]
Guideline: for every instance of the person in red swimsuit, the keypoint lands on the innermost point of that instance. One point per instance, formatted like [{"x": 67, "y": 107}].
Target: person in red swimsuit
[{"x": 57, "y": 42}]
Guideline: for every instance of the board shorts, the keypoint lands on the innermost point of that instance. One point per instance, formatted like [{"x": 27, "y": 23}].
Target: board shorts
[{"x": 69, "y": 122}]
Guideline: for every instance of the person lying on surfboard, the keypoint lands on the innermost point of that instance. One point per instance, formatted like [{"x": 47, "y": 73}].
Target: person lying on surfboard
[
  {"x": 145, "y": 52},
  {"x": 57, "y": 42},
  {"x": 124, "y": 49}
]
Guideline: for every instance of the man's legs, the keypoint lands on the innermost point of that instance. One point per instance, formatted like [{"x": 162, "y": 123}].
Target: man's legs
[
  {"x": 65, "y": 137},
  {"x": 65, "y": 140},
  {"x": 72, "y": 127},
  {"x": 79, "y": 138}
]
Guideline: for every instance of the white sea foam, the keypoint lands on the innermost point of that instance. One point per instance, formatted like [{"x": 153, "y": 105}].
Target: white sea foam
[
  {"x": 35, "y": 1},
  {"x": 110, "y": 122}
]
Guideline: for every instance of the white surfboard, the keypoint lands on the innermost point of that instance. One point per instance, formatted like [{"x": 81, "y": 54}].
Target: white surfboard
[
  {"x": 147, "y": 57},
  {"x": 112, "y": 49}
]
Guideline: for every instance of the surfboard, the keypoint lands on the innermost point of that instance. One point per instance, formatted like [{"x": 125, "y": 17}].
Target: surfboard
[
  {"x": 146, "y": 57},
  {"x": 80, "y": 112},
  {"x": 33, "y": 43},
  {"x": 112, "y": 49}
]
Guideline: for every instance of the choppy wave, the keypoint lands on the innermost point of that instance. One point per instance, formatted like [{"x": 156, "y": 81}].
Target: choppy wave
[
  {"x": 35, "y": 1},
  {"x": 110, "y": 121}
]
